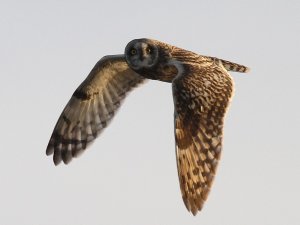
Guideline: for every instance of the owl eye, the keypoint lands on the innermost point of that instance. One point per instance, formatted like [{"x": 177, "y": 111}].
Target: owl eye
[
  {"x": 148, "y": 50},
  {"x": 133, "y": 51}
]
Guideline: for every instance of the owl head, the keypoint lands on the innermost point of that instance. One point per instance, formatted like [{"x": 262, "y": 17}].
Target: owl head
[{"x": 142, "y": 54}]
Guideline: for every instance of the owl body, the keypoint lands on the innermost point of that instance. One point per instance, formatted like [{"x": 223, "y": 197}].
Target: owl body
[{"x": 202, "y": 89}]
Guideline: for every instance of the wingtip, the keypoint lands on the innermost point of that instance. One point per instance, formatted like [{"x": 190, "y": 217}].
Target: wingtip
[
  {"x": 194, "y": 213},
  {"x": 57, "y": 157},
  {"x": 247, "y": 70},
  {"x": 49, "y": 150},
  {"x": 196, "y": 209},
  {"x": 66, "y": 156},
  {"x": 56, "y": 162},
  {"x": 192, "y": 208}
]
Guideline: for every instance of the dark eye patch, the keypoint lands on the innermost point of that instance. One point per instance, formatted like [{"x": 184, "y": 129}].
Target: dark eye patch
[
  {"x": 148, "y": 50},
  {"x": 132, "y": 51}
]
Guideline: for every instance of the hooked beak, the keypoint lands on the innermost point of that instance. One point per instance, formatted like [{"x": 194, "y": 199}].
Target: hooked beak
[{"x": 143, "y": 55}]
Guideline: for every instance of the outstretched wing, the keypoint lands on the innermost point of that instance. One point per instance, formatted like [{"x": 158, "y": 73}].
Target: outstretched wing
[
  {"x": 201, "y": 98},
  {"x": 91, "y": 107}
]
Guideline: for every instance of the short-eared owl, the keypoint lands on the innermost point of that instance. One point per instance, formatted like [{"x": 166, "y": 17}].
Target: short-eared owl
[{"x": 202, "y": 89}]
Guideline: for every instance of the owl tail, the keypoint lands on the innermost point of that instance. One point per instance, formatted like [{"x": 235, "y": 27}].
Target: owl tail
[{"x": 230, "y": 66}]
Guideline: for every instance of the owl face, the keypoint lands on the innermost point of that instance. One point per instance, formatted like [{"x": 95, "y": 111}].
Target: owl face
[{"x": 141, "y": 54}]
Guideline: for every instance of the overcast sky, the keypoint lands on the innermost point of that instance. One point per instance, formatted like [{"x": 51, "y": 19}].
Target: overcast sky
[{"x": 128, "y": 176}]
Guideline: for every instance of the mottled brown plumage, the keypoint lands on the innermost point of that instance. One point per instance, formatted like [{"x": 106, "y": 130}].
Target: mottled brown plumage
[
  {"x": 91, "y": 107},
  {"x": 201, "y": 99},
  {"x": 202, "y": 89}
]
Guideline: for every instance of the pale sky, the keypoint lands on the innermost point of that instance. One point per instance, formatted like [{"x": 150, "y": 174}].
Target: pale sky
[{"x": 129, "y": 176}]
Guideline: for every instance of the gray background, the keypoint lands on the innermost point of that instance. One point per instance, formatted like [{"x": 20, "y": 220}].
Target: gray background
[{"x": 128, "y": 176}]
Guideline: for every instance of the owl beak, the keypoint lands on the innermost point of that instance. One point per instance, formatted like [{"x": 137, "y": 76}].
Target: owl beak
[{"x": 142, "y": 56}]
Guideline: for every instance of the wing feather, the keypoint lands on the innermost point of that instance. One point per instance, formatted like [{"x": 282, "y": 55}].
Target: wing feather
[
  {"x": 201, "y": 98},
  {"x": 91, "y": 107}
]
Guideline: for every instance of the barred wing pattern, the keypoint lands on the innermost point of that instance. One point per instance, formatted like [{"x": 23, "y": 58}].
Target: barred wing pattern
[
  {"x": 201, "y": 99},
  {"x": 91, "y": 107}
]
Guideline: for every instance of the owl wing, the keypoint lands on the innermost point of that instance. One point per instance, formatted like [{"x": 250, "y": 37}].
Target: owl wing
[
  {"x": 91, "y": 107},
  {"x": 201, "y": 98}
]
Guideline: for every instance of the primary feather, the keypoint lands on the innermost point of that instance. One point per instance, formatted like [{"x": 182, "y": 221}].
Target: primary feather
[{"x": 91, "y": 107}]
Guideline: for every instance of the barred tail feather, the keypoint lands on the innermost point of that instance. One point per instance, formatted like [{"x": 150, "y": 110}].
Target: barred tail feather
[{"x": 230, "y": 66}]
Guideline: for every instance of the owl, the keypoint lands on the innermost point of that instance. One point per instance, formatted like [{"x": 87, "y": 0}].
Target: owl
[{"x": 202, "y": 89}]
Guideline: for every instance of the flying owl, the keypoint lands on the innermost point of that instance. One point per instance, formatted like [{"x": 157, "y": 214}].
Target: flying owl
[{"x": 202, "y": 89}]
